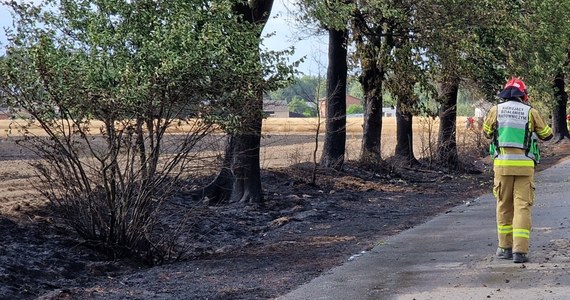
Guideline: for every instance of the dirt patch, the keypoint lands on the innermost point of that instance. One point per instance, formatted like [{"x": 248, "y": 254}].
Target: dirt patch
[{"x": 302, "y": 231}]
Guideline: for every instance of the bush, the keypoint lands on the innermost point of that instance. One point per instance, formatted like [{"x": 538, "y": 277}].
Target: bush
[
  {"x": 355, "y": 109},
  {"x": 107, "y": 91}
]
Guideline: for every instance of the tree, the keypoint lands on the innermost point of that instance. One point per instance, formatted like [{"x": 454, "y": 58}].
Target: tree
[
  {"x": 455, "y": 46},
  {"x": 355, "y": 109},
  {"x": 333, "y": 16},
  {"x": 446, "y": 142},
  {"x": 446, "y": 65},
  {"x": 372, "y": 43},
  {"x": 542, "y": 54},
  {"x": 303, "y": 87},
  {"x": 405, "y": 74},
  {"x": 335, "y": 136},
  {"x": 240, "y": 177},
  {"x": 559, "y": 127},
  {"x": 550, "y": 28},
  {"x": 404, "y": 125},
  {"x": 300, "y": 106}
]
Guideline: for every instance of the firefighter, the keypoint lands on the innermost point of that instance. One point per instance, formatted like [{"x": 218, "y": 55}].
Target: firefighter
[
  {"x": 514, "y": 126},
  {"x": 469, "y": 122}
]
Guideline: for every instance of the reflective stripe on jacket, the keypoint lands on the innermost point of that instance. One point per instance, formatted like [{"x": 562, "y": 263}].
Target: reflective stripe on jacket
[{"x": 513, "y": 160}]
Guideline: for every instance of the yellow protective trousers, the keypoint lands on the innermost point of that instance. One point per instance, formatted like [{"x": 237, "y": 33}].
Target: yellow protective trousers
[{"x": 515, "y": 196}]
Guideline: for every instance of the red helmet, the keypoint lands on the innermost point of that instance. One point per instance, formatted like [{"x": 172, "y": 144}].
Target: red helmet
[{"x": 514, "y": 88}]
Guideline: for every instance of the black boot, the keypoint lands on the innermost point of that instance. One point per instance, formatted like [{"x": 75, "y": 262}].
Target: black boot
[
  {"x": 504, "y": 253},
  {"x": 520, "y": 258}
]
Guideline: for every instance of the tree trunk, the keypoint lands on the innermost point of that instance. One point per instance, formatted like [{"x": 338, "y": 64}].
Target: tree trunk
[
  {"x": 335, "y": 136},
  {"x": 559, "y": 111},
  {"x": 370, "y": 48},
  {"x": 220, "y": 189},
  {"x": 246, "y": 170},
  {"x": 404, "y": 135},
  {"x": 371, "y": 80},
  {"x": 239, "y": 179},
  {"x": 447, "y": 143}
]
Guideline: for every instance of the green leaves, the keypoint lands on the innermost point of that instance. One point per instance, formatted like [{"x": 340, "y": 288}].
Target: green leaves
[
  {"x": 330, "y": 14},
  {"x": 134, "y": 66},
  {"x": 133, "y": 57}
]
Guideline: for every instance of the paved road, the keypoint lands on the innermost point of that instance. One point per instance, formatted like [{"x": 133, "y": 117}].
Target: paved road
[{"x": 452, "y": 256}]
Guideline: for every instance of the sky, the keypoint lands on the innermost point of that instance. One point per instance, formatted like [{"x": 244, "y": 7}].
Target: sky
[
  {"x": 5, "y": 21},
  {"x": 281, "y": 23},
  {"x": 287, "y": 32}
]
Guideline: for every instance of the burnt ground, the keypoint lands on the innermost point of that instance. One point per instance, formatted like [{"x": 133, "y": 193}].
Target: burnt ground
[{"x": 234, "y": 252}]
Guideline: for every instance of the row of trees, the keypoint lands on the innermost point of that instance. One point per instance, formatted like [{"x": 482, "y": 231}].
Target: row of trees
[
  {"x": 301, "y": 97},
  {"x": 434, "y": 47},
  {"x": 139, "y": 66}
]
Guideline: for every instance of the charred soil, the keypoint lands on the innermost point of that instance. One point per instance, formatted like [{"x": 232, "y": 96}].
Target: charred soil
[{"x": 300, "y": 232}]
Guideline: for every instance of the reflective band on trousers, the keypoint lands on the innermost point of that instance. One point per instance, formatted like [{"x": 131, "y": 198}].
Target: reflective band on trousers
[
  {"x": 521, "y": 233},
  {"x": 514, "y": 163},
  {"x": 505, "y": 229}
]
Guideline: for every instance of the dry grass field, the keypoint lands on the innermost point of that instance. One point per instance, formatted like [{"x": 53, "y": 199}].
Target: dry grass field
[
  {"x": 289, "y": 141},
  {"x": 424, "y": 139}
]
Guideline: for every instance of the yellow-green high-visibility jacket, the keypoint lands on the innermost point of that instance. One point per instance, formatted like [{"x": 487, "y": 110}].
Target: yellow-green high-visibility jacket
[{"x": 511, "y": 125}]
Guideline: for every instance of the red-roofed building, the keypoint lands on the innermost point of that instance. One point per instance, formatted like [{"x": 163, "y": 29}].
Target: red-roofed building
[{"x": 350, "y": 100}]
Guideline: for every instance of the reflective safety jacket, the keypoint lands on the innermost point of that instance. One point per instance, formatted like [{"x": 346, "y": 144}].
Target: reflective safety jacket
[
  {"x": 512, "y": 125},
  {"x": 515, "y": 129}
]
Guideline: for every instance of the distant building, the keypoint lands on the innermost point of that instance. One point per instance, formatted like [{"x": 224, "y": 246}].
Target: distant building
[
  {"x": 11, "y": 113},
  {"x": 5, "y": 113},
  {"x": 355, "y": 116},
  {"x": 350, "y": 100},
  {"x": 293, "y": 114},
  {"x": 388, "y": 112},
  {"x": 276, "y": 108}
]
